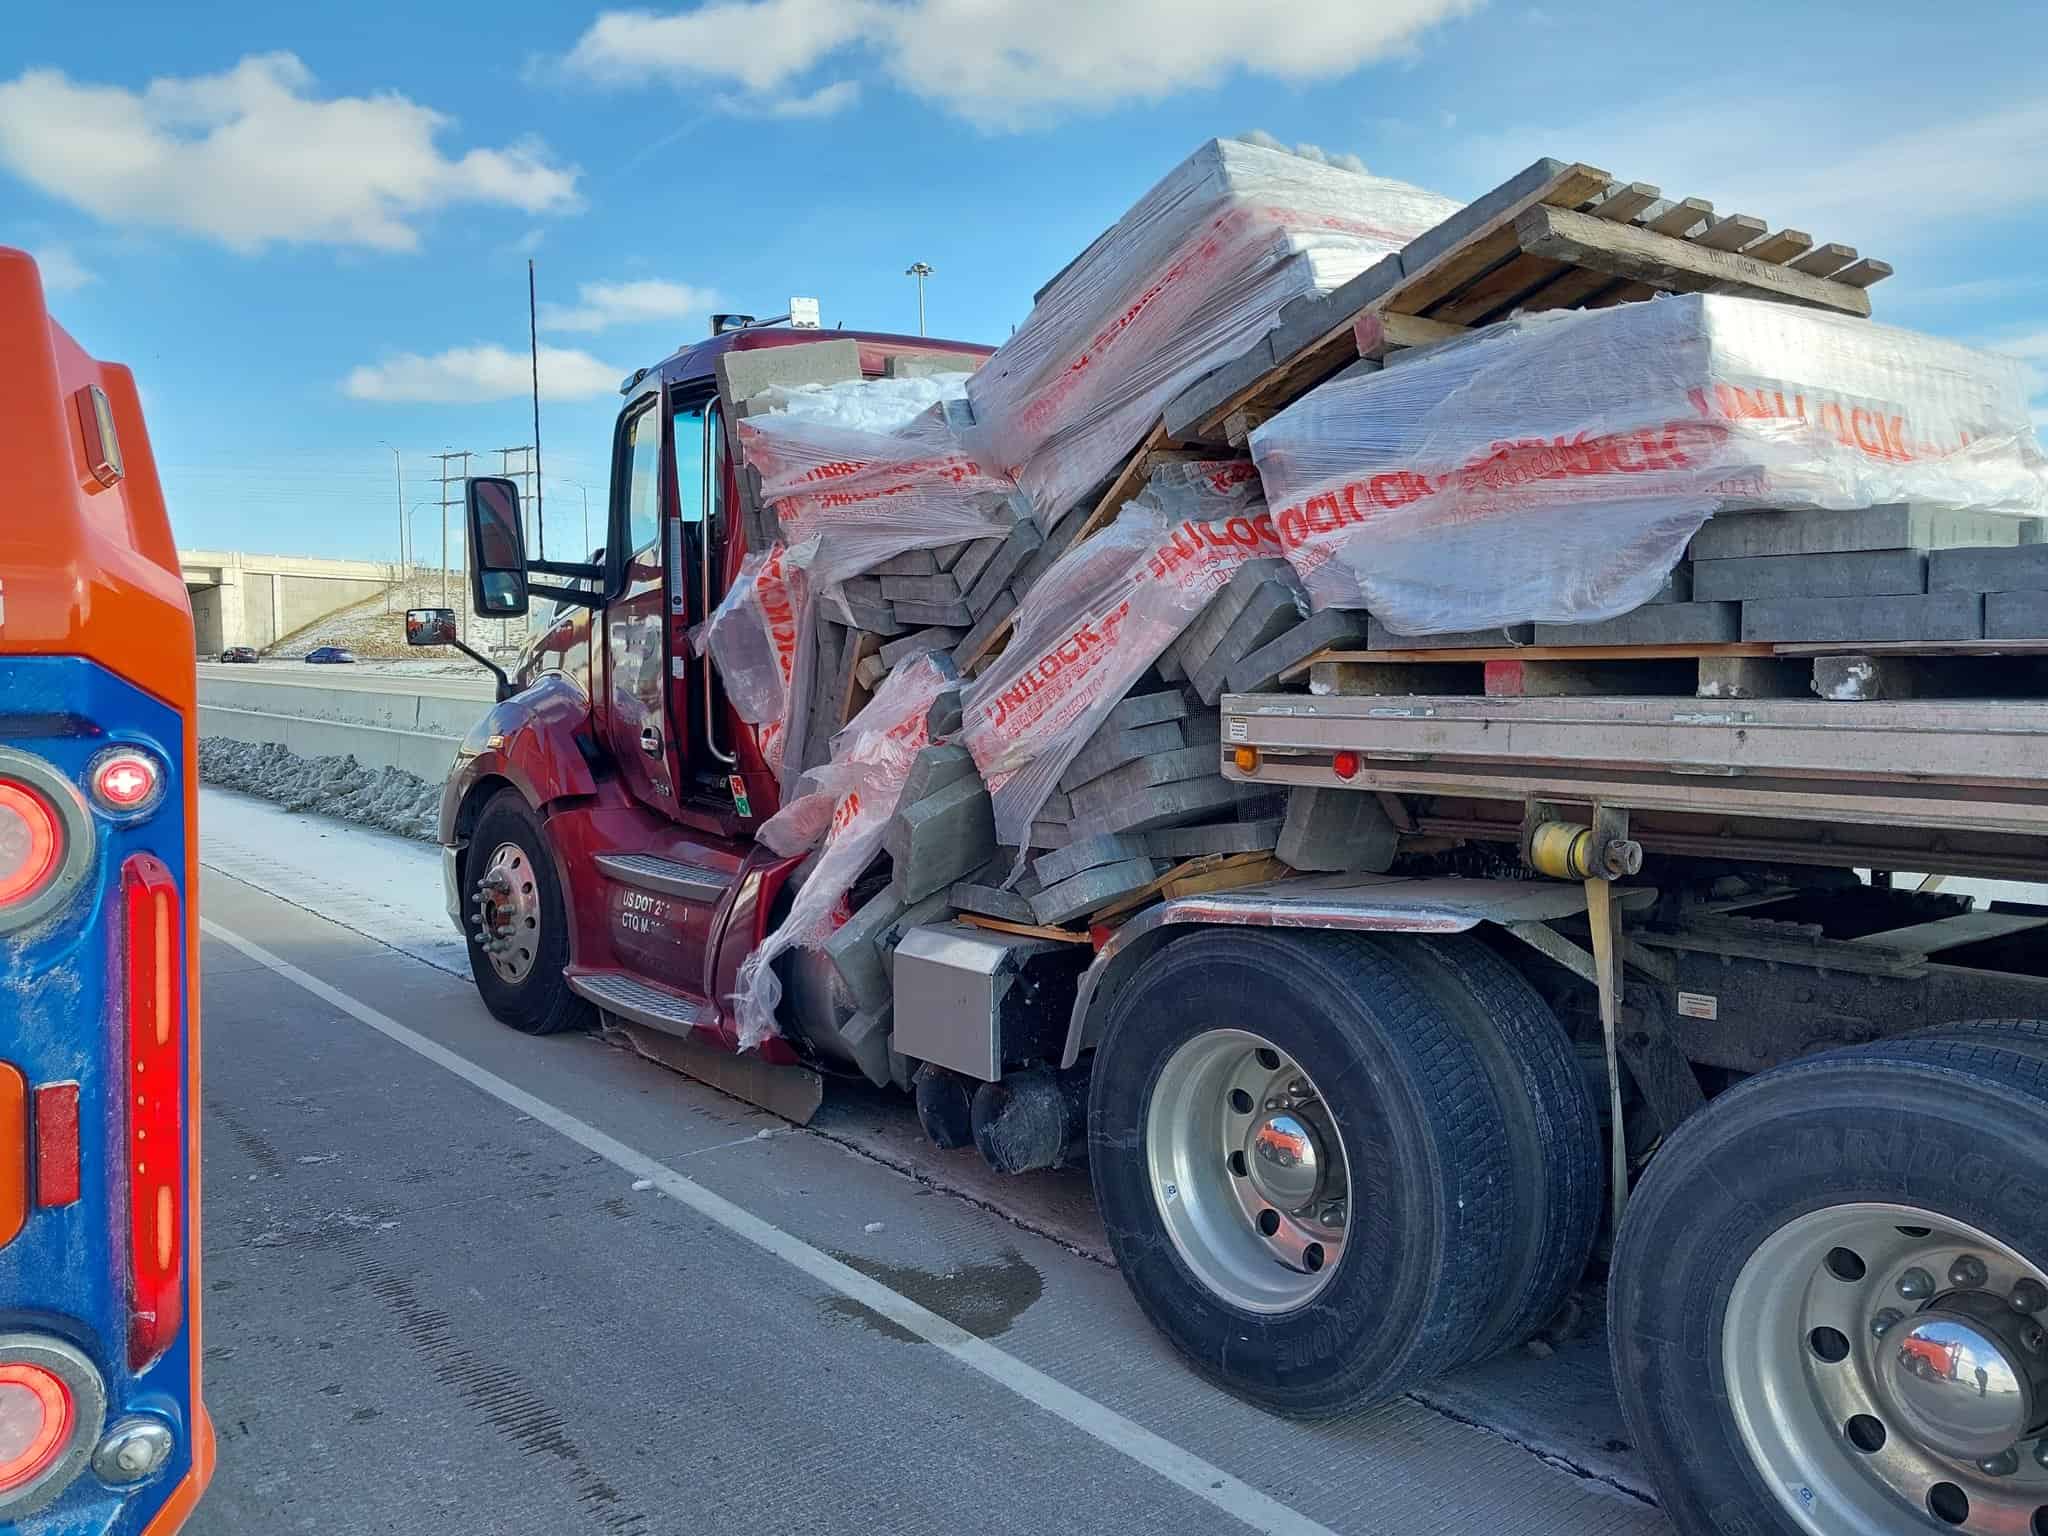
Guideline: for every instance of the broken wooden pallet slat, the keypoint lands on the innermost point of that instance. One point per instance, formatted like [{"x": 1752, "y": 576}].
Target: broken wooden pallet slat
[
  {"x": 1733, "y": 233},
  {"x": 1782, "y": 247},
  {"x": 1665, "y": 263},
  {"x": 1500, "y": 291},
  {"x": 1021, "y": 930},
  {"x": 1681, "y": 218},
  {"x": 1379, "y": 334},
  {"x": 1624, "y": 203},
  {"x": 1861, "y": 274},
  {"x": 1824, "y": 259}
]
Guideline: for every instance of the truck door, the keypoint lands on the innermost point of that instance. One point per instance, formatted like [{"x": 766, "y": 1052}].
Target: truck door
[{"x": 636, "y": 620}]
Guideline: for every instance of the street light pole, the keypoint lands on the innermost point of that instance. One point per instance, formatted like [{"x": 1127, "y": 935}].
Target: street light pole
[
  {"x": 919, "y": 270},
  {"x": 398, "y": 473}
]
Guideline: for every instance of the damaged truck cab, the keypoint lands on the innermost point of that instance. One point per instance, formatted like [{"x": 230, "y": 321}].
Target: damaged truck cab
[{"x": 597, "y": 827}]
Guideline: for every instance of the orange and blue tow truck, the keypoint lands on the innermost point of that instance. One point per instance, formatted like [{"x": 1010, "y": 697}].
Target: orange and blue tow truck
[{"x": 102, "y": 1428}]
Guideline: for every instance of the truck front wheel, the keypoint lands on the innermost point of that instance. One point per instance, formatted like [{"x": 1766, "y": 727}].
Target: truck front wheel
[
  {"x": 516, "y": 923},
  {"x": 1298, "y": 1156},
  {"x": 1828, "y": 1298}
]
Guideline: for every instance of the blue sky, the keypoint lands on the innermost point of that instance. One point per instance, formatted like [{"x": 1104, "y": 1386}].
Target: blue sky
[{"x": 306, "y": 228}]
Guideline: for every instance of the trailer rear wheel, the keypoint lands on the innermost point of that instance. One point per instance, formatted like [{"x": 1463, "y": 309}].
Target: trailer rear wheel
[
  {"x": 1298, "y": 1155},
  {"x": 1828, "y": 1297},
  {"x": 1553, "y": 1128},
  {"x": 516, "y": 923}
]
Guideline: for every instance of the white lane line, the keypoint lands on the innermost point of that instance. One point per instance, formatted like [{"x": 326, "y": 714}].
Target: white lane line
[{"x": 1183, "y": 1468}]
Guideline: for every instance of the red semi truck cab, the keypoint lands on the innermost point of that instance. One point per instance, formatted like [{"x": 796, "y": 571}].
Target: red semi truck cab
[{"x": 597, "y": 829}]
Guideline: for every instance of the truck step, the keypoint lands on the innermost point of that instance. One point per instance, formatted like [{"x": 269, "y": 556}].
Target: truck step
[
  {"x": 666, "y": 877},
  {"x": 642, "y": 1003}
]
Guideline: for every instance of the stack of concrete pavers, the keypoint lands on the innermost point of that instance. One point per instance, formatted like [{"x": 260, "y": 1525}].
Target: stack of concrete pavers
[{"x": 1893, "y": 574}]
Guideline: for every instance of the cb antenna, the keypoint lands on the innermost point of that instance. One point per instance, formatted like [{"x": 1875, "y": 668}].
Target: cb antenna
[{"x": 540, "y": 527}]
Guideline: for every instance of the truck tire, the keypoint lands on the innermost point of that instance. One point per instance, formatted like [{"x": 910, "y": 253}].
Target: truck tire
[
  {"x": 1810, "y": 1270},
  {"x": 1299, "y": 1157},
  {"x": 1553, "y": 1129},
  {"x": 509, "y": 885}
]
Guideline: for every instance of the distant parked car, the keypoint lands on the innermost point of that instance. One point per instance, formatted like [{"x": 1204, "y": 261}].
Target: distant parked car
[
  {"x": 240, "y": 653},
  {"x": 330, "y": 656}
]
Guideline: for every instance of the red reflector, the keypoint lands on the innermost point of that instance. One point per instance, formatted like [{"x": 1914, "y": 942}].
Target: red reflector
[
  {"x": 31, "y": 842},
  {"x": 35, "y": 1422},
  {"x": 124, "y": 780},
  {"x": 56, "y": 1122},
  {"x": 156, "y": 1140},
  {"x": 1346, "y": 765}
]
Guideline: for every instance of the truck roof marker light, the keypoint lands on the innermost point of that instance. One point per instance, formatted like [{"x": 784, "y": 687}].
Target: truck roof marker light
[
  {"x": 1345, "y": 765},
  {"x": 156, "y": 1117},
  {"x": 36, "y": 1418},
  {"x": 31, "y": 842},
  {"x": 125, "y": 780},
  {"x": 96, "y": 426},
  {"x": 1246, "y": 758}
]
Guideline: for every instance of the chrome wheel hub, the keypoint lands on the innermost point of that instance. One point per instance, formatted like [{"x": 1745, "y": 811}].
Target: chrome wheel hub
[
  {"x": 1887, "y": 1372},
  {"x": 505, "y": 912},
  {"x": 1248, "y": 1171}
]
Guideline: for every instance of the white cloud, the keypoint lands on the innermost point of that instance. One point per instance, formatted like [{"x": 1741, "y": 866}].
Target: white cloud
[
  {"x": 2031, "y": 345},
  {"x": 823, "y": 102},
  {"x": 1265, "y": 140},
  {"x": 253, "y": 156},
  {"x": 472, "y": 375},
  {"x": 1007, "y": 63},
  {"x": 599, "y": 306},
  {"x": 62, "y": 271}
]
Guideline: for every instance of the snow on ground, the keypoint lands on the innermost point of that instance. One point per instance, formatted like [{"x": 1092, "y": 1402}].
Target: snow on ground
[
  {"x": 389, "y": 798},
  {"x": 375, "y": 627},
  {"x": 386, "y": 887}
]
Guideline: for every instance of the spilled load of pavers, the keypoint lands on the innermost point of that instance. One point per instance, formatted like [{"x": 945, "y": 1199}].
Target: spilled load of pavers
[
  {"x": 990, "y": 615},
  {"x": 1063, "y": 673}
]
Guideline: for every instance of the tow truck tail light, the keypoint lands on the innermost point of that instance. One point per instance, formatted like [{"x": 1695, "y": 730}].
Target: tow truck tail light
[
  {"x": 31, "y": 843},
  {"x": 36, "y": 1414},
  {"x": 156, "y": 1121}
]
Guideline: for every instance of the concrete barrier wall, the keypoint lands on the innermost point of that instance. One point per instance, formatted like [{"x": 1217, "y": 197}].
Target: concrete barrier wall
[{"x": 380, "y": 725}]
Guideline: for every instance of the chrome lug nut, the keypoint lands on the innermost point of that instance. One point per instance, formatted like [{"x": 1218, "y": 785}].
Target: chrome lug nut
[
  {"x": 2004, "y": 1464},
  {"x": 1916, "y": 1284},
  {"x": 1333, "y": 1214},
  {"x": 2041, "y": 1453},
  {"x": 1881, "y": 1321},
  {"x": 1968, "y": 1271},
  {"x": 2029, "y": 1296}
]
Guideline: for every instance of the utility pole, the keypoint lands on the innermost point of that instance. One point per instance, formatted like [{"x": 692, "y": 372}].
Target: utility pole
[
  {"x": 451, "y": 498},
  {"x": 528, "y": 476},
  {"x": 919, "y": 270}
]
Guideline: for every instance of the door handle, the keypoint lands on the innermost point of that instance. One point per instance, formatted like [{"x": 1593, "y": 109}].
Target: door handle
[{"x": 650, "y": 741}]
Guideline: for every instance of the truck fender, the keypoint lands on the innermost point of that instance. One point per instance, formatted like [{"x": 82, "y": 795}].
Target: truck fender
[
  {"x": 1351, "y": 903},
  {"x": 532, "y": 741}
]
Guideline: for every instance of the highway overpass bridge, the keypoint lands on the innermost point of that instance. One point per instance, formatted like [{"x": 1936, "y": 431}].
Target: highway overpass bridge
[{"x": 240, "y": 599}]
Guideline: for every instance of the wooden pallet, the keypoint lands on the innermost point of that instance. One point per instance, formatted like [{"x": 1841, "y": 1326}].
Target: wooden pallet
[{"x": 1558, "y": 236}]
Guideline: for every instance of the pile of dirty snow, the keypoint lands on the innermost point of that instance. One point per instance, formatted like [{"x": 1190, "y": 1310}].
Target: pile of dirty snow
[{"x": 389, "y": 798}]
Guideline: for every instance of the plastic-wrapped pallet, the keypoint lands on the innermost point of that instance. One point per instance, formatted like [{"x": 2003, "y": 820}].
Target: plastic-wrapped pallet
[
  {"x": 1191, "y": 276},
  {"x": 842, "y": 809},
  {"x": 1097, "y": 619},
  {"x": 852, "y": 483},
  {"x": 1553, "y": 467}
]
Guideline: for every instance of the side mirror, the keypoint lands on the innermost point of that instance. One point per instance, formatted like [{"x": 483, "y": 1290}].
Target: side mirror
[
  {"x": 497, "y": 548},
  {"x": 430, "y": 626}
]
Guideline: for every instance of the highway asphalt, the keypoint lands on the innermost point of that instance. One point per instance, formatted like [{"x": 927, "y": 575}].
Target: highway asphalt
[{"x": 458, "y": 1280}]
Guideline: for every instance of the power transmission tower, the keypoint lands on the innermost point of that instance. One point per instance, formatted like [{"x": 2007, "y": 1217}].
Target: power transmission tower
[{"x": 452, "y": 498}]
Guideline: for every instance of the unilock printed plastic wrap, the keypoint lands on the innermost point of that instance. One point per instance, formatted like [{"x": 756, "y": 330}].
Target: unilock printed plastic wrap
[
  {"x": 853, "y": 482},
  {"x": 1554, "y": 467},
  {"x": 842, "y": 809},
  {"x": 752, "y": 635},
  {"x": 1189, "y": 278},
  {"x": 866, "y": 494},
  {"x": 1097, "y": 619}
]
